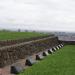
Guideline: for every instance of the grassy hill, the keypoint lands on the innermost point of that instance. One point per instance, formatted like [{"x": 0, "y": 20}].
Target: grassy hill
[
  {"x": 18, "y": 35},
  {"x": 60, "y": 63}
]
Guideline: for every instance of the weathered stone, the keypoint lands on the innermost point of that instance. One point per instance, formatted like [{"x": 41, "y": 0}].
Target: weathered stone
[
  {"x": 45, "y": 53},
  {"x": 62, "y": 45},
  {"x": 15, "y": 69},
  {"x": 39, "y": 57},
  {"x": 57, "y": 47},
  {"x": 30, "y": 61},
  {"x": 50, "y": 51},
  {"x": 54, "y": 49}
]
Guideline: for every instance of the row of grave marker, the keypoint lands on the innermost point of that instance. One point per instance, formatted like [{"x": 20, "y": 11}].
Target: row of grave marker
[{"x": 17, "y": 68}]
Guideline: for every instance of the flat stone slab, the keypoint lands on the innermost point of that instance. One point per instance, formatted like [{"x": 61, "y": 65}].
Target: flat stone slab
[
  {"x": 39, "y": 57},
  {"x": 30, "y": 61}
]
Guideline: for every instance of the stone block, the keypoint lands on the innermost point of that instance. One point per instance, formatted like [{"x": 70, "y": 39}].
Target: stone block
[
  {"x": 45, "y": 53},
  {"x": 57, "y": 47},
  {"x": 50, "y": 51},
  {"x": 30, "y": 61},
  {"x": 62, "y": 45},
  {"x": 54, "y": 49},
  {"x": 16, "y": 69},
  {"x": 39, "y": 57}
]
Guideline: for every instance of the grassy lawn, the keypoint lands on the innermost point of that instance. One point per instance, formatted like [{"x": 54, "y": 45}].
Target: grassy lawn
[
  {"x": 61, "y": 62},
  {"x": 18, "y": 35}
]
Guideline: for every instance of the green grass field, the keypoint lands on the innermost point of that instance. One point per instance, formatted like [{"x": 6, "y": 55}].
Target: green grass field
[
  {"x": 61, "y": 62},
  {"x": 18, "y": 35}
]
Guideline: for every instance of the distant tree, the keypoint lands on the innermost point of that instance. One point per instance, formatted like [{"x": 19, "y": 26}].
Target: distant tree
[
  {"x": 26, "y": 30},
  {"x": 34, "y": 31},
  {"x": 19, "y": 30},
  {"x": 5, "y": 30}
]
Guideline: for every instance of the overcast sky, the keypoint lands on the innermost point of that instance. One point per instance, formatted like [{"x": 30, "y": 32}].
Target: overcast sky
[{"x": 58, "y": 15}]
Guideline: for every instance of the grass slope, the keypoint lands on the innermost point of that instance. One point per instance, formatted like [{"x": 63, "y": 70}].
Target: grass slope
[
  {"x": 60, "y": 63},
  {"x": 18, "y": 35}
]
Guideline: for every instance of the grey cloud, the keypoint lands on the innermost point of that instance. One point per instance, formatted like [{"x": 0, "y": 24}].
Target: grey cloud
[{"x": 38, "y": 14}]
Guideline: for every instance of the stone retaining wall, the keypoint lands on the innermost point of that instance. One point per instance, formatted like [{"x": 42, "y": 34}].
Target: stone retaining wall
[
  {"x": 11, "y": 42},
  {"x": 11, "y": 54}
]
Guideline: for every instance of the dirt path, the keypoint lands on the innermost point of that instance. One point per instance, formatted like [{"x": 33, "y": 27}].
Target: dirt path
[{"x": 6, "y": 69}]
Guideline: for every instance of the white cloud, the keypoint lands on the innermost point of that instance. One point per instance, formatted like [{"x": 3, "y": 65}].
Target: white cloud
[{"x": 38, "y": 14}]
